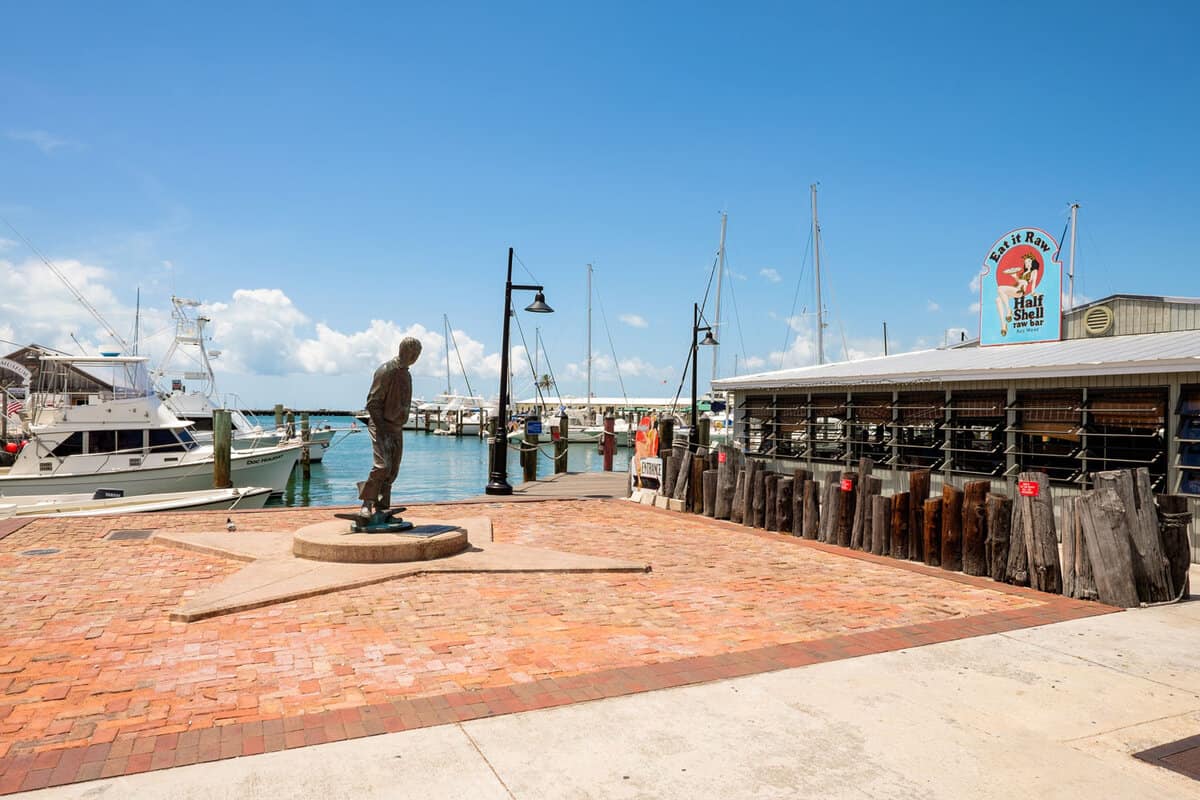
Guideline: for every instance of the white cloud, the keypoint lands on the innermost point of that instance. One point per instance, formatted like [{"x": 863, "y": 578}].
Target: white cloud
[
  {"x": 6, "y": 244},
  {"x": 634, "y": 320},
  {"x": 772, "y": 275},
  {"x": 976, "y": 282},
  {"x": 42, "y": 140},
  {"x": 973, "y": 308},
  {"x": 932, "y": 306}
]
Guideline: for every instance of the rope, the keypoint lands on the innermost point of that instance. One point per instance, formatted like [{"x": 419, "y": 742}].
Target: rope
[
  {"x": 611, "y": 346},
  {"x": 461, "y": 367},
  {"x": 795, "y": 299}
]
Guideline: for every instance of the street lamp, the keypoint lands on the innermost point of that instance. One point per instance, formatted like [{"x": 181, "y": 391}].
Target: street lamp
[
  {"x": 709, "y": 341},
  {"x": 498, "y": 477}
]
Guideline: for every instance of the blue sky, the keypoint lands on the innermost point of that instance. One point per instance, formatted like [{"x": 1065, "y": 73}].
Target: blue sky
[{"x": 311, "y": 169}]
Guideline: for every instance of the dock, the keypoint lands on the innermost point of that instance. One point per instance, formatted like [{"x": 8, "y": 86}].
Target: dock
[{"x": 568, "y": 486}]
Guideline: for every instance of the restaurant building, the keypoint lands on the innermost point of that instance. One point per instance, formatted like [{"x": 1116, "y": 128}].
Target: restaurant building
[{"x": 1117, "y": 386}]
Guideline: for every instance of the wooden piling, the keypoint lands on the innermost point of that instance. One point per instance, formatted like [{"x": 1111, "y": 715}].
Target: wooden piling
[
  {"x": 952, "y": 505},
  {"x": 305, "y": 438},
  {"x": 918, "y": 493},
  {"x": 931, "y": 520},
  {"x": 810, "y": 527},
  {"x": 758, "y": 496},
  {"x": 753, "y": 467},
  {"x": 529, "y": 452},
  {"x": 974, "y": 527},
  {"x": 1173, "y": 521},
  {"x": 737, "y": 508},
  {"x": 726, "y": 481},
  {"x": 709, "y": 480},
  {"x": 222, "y": 445},
  {"x": 1040, "y": 536},
  {"x": 784, "y": 504},
  {"x": 666, "y": 434},
  {"x": 668, "y": 472},
  {"x": 900, "y": 532},
  {"x": 849, "y": 492},
  {"x": 831, "y": 507},
  {"x": 278, "y": 416},
  {"x": 610, "y": 442},
  {"x": 560, "y": 445},
  {"x": 1101, "y": 513},
  {"x": 683, "y": 477},
  {"x": 770, "y": 490},
  {"x": 702, "y": 437},
  {"x": 869, "y": 487},
  {"x": 696, "y": 493},
  {"x": 999, "y": 525},
  {"x": 799, "y": 478},
  {"x": 1085, "y": 581},
  {"x": 1151, "y": 568},
  {"x": 881, "y": 515}
]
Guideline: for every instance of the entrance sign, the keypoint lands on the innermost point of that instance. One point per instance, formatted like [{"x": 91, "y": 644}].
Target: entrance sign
[{"x": 1021, "y": 289}]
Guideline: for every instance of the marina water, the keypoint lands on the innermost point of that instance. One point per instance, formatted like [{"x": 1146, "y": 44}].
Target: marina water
[{"x": 434, "y": 467}]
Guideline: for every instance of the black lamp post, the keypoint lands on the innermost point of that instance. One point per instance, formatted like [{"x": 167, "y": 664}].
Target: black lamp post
[
  {"x": 694, "y": 436},
  {"x": 498, "y": 478}
]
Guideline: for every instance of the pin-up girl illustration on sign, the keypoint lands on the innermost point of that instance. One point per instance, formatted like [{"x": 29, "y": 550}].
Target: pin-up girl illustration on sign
[
  {"x": 1016, "y": 281},
  {"x": 1020, "y": 297}
]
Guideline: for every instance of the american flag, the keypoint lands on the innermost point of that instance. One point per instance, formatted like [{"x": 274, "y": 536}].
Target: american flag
[{"x": 14, "y": 407}]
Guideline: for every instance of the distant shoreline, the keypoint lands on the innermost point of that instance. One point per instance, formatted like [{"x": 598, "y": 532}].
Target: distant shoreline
[{"x": 318, "y": 412}]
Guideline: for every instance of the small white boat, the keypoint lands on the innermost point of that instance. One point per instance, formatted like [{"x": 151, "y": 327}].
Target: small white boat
[{"x": 100, "y": 502}]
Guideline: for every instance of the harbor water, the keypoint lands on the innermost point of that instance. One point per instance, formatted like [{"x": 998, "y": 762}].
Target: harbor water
[{"x": 434, "y": 467}]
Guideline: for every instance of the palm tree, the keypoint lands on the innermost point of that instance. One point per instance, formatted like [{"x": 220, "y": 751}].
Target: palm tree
[{"x": 545, "y": 383}]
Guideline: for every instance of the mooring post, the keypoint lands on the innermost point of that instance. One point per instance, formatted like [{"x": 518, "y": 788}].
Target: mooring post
[
  {"x": 560, "y": 445},
  {"x": 291, "y": 424},
  {"x": 305, "y": 437},
  {"x": 702, "y": 437},
  {"x": 278, "y": 416},
  {"x": 529, "y": 450},
  {"x": 666, "y": 434},
  {"x": 610, "y": 441},
  {"x": 222, "y": 444}
]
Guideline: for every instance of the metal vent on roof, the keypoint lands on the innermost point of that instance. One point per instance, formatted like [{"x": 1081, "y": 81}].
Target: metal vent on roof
[
  {"x": 40, "y": 551},
  {"x": 1098, "y": 320}
]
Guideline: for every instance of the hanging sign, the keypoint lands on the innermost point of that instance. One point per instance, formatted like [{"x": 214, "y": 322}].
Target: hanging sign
[
  {"x": 1029, "y": 488},
  {"x": 847, "y": 485},
  {"x": 533, "y": 426},
  {"x": 1021, "y": 289}
]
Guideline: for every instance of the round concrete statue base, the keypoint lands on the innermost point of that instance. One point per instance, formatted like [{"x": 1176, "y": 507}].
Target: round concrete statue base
[{"x": 426, "y": 540}]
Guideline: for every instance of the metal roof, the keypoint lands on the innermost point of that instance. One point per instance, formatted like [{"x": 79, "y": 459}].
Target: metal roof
[
  {"x": 551, "y": 399},
  {"x": 1177, "y": 351}
]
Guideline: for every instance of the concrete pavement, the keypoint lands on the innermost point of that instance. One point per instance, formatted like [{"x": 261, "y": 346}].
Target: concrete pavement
[{"x": 1054, "y": 711}]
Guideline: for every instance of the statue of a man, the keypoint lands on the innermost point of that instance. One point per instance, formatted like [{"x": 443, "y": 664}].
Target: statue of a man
[{"x": 387, "y": 406}]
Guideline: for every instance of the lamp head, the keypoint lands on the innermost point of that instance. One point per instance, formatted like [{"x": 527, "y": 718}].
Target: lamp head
[
  {"x": 538, "y": 306},
  {"x": 709, "y": 340}
]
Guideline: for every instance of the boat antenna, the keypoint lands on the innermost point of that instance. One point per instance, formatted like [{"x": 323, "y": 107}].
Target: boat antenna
[
  {"x": 446, "y": 341},
  {"x": 589, "y": 340},
  {"x": 83, "y": 301},
  {"x": 1071, "y": 267},
  {"x": 717, "y": 309},
  {"x": 816, "y": 236},
  {"x": 458, "y": 354}
]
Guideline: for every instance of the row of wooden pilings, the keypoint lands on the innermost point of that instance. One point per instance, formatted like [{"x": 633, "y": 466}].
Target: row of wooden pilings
[
  {"x": 529, "y": 451},
  {"x": 1121, "y": 544},
  {"x": 223, "y": 443}
]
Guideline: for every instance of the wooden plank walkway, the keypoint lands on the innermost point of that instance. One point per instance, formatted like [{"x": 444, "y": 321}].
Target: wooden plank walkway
[{"x": 568, "y": 485}]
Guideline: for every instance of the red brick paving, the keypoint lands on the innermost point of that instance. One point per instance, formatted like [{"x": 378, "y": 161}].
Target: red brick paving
[{"x": 96, "y": 681}]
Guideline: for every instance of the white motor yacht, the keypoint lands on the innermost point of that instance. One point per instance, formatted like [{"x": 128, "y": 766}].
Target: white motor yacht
[
  {"x": 87, "y": 432},
  {"x": 103, "y": 502}
]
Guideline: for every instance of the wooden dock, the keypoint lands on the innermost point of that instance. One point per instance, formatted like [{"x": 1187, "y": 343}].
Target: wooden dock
[{"x": 568, "y": 485}]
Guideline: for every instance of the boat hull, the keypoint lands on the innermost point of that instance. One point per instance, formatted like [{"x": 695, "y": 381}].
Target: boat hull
[
  {"x": 269, "y": 467},
  {"x": 84, "y": 505}
]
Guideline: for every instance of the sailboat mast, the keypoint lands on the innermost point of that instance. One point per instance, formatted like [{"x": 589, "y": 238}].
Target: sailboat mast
[
  {"x": 816, "y": 227},
  {"x": 1071, "y": 269},
  {"x": 137, "y": 319},
  {"x": 589, "y": 340},
  {"x": 720, "y": 279},
  {"x": 446, "y": 334}
]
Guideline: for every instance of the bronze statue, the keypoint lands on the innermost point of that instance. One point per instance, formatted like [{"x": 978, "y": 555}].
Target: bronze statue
[{"x": 388, "y": 404}]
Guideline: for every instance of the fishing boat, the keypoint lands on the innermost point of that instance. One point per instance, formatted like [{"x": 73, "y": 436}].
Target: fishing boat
[
  {"x": 102, "y": 501},
  {"x": 118, "y": 434},
  {"x": 196, "y": 404}
]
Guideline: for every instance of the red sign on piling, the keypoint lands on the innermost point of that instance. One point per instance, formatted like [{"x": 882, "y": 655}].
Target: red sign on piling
[
  {"x": 847, "y": 485},
  {"x": 721, "y": 457},
  {"x": 1029, "y": 488}
]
